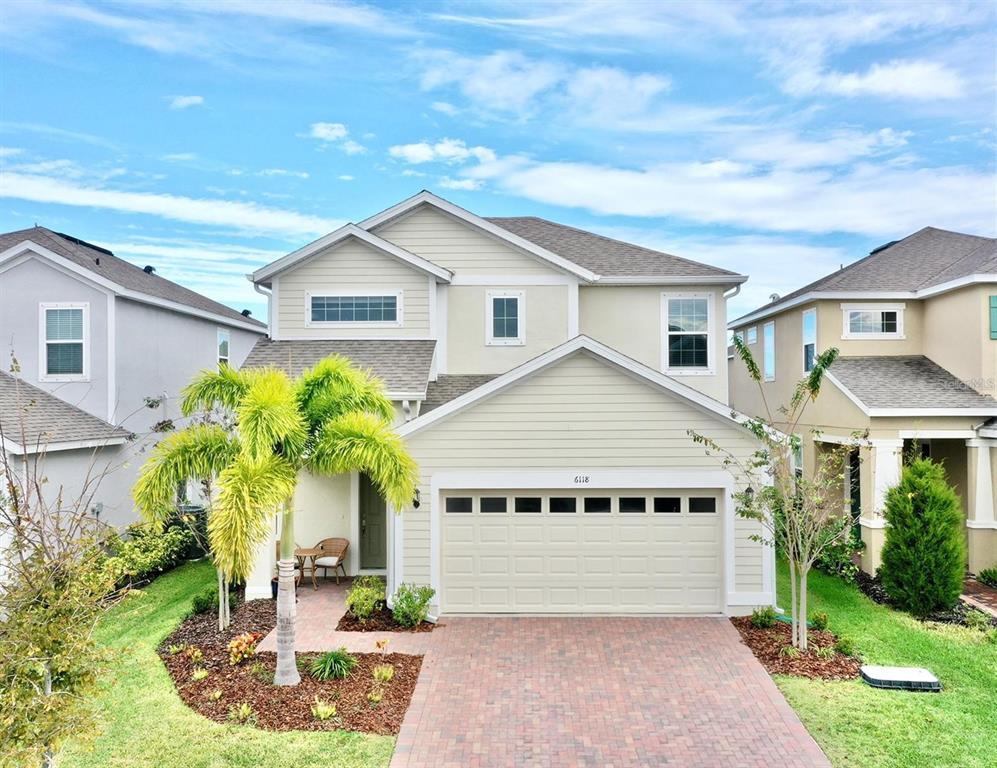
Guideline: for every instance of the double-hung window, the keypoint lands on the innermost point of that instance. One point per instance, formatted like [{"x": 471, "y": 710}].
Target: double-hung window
[
  {"x": 993, "y": 317},
  {"x": 505, "y": 319},
  {"x": 882, "y": 321},
  {"x": 809, "y": 339},
  {"x": 688, "y": 333},
  {"x": 64, "y": 340},
  {"x": 224, "y": 339},
  {"x": 368, "y": 309},
  {"x": 751, "y": 335},
  {"x": 768, "y": 351}
]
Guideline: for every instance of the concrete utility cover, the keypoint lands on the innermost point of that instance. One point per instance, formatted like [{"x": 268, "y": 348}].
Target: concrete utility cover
[{"x": 901, "y": 678}]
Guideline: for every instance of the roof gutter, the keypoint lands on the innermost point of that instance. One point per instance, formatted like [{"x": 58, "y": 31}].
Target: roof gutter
[{"x": 673, "y": 280}]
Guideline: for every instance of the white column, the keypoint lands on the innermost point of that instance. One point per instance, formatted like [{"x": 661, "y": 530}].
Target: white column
[
  {"x": 981, "y": 495},
  {"x": 258, "y": 583},
  {"x": 887, "y": 455}
]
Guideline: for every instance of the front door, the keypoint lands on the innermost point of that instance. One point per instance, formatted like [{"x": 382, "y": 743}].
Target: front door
[{"x": 373, "y": 526}]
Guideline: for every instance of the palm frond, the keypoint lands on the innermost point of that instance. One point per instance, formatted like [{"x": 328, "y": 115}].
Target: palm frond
[
  {"x": 197, "y": 452},
  {"x": 269, "y": 417},
  {"x": 209, "y": 389},
  {"x": 333, "y": 386},
  {"x": 366, "y": 443},
  {"x": 249, "y": 491}
]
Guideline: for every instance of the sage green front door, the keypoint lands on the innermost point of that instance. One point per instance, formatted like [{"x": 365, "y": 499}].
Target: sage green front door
[{"x": 373, "y": 526}]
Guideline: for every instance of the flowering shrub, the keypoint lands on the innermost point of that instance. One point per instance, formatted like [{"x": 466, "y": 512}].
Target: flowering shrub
[{"x": 243, "y": 646}]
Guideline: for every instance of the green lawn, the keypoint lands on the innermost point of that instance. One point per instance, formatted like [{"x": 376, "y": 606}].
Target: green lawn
[
  {"x": 144, "y": 723},
  {"x": 861, "y": 726}
]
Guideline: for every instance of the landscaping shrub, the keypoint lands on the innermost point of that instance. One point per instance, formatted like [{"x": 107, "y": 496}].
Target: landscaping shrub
[
  {"x": 819, "y": 620},
  {"x": 411, "y": 604},
  {"x": 763, "y": 618},
  {"x": 243, "y": 646},
  {"x": 147, "y": 554},
  {"x": 846, "y": 646},
  {"x": 366, "y": 595},
  {"x": 924, "y": 555},
  {"x": 205, "y": 601},
  {"x": 334, "y": 664},
  {"x": 978, "y": 620},
  {"x": 839, "y": 558},
  {"x": 988, "y": 576}
]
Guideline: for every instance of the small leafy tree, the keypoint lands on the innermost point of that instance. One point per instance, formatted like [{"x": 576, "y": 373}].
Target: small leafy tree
[
  {"x": 334, "y": 418},
  {"x": 924, "y": 555},
  {"x": 803, "y": 517}
]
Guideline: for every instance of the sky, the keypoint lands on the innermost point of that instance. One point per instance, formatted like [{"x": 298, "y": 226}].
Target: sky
[{"x": 779, "y": 140}]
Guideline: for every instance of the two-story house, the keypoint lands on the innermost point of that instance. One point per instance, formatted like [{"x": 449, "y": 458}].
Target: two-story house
[
  {"x": 97, "y": 341},
  {"x": 916, "y": 325},
  {"x": 546, "y": 379}
]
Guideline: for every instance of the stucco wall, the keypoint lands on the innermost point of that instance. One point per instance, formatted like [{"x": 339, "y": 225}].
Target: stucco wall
[
  {"x": 351, "y": 266},
  {"x": 957, "y": 336}
]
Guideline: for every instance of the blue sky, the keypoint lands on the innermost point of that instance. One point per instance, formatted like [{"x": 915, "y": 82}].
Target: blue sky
[{"x": 779, "y": 140}]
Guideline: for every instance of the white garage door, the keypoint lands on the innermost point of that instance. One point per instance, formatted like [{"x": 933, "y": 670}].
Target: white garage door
[{"x": 612, "y": 551}]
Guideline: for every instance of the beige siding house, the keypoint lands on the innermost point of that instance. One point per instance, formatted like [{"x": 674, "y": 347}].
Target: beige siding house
[
  {"x": 916, "y": 326},
  {"x": 545, "y": 380}
]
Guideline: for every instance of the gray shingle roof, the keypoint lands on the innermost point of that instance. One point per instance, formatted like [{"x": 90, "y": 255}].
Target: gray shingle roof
[
  {"x": 924, "y": 259},
  {"x": 906, "y": 382},
  {"x": 449, "y": 387},
  {"x": 604, "y": 255},
  {"x": 125, "y": 274},
  {"x": 402, "y": 364},
  {"x": 32, "y": 417}
]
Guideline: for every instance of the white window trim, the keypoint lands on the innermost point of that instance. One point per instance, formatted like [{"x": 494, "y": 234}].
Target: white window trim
[
  {"x": 490, "y": 339},
  {"x": 803, "y": 337},
  {"x": 775, "y": 357},
  {"x": 710, "y": 369},
  {"x": 43, "y": 374},
  {"x": 227, "y": 335},
  {"x": 397, "y": 323},
  {"x": 846, "y": 332},
  {"x": 748, "y": 332}
]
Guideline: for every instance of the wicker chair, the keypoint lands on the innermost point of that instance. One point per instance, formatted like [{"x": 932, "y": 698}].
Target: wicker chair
[{"x": 335, "y": 557}]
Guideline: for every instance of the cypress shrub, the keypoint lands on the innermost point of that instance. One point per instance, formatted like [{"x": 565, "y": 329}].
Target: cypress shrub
[{"x": 924, "y": 556}]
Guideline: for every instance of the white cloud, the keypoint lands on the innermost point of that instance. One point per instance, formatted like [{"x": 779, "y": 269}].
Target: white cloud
[
  {"x": 283, "y": 172},
  {"x": 10, "y": 151},
  {"x": 328, "y": 131},
  {"x": 224, "y": 213},
  {"x": 345, "y": 177},
  {"x": 184, "y": 102},
  {"x": 351, "y": 147},
  {"x": 446, "y": 151},
  {"x": 613, "y": 94},
  {"x": 465, "y": 184},
  {"x": 412, "y": 172},
  {"x": 866, "y": 199},
  {"x": 180, "y": 157},
  {"x": 445, "y": 107},
  {"x": 896, "y": 79},
  {"x": 788, "y": 150}
]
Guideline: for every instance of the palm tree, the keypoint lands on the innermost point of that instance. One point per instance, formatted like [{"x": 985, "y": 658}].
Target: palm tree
[{"x": 333, "y": 419}]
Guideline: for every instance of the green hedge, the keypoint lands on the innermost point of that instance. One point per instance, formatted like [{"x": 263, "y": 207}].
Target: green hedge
[{"x": 147, "y": 554}]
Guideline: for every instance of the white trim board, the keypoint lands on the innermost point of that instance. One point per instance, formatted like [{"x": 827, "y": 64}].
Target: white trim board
[
  {"x": 67, "y": 445},
  {"x": 337, "y": 237}
]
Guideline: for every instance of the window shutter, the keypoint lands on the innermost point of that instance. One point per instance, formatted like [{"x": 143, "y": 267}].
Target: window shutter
[{"x": 993, "y": 317}]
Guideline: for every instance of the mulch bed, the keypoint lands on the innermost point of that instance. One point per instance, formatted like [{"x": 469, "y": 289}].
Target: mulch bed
[
  {"x": 767, "y": 645},
  {"x": 872, "y": 588},
  {"x": 284, "y": 708},
  {"x": 380, "y": 621}
]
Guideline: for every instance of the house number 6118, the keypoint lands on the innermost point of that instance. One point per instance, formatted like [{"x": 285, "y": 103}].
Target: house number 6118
[{"x": 581, "y": 479}]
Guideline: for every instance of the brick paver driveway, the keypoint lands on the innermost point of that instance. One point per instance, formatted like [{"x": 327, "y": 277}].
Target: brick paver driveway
[{"x": 607, "y": 692}]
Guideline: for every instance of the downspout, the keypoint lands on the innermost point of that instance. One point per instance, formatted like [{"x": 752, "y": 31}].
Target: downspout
[
  {"x": 407, "y": 410},
  {"x": 264, "y": 292},
  {"x": 735, "y": 290}
]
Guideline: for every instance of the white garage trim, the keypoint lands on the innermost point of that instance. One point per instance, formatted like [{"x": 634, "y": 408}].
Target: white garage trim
[{"x": 595, "y": 478}]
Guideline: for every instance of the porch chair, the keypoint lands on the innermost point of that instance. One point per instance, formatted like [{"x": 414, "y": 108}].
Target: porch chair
[{"x": 334, "y": 556}]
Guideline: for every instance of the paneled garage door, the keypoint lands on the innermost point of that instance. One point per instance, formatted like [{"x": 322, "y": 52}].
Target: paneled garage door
[{"x": 613, "y": 551}]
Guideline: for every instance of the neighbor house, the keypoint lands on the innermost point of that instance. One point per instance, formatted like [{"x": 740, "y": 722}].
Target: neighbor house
[
  {"x": 102, "y": 349},
  {"x": 915, "y": 322},
  {"x": 545, "y": 380}
]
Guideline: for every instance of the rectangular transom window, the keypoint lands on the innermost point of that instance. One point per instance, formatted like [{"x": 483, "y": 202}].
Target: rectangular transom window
[
  {"x": 768, "y": 351},
  {"x": 687, "y": 335},
  {"x": 632, "y": 504},
  {"x": 459, "y": 505},
  {"x": 505, "y": 319},
  {"x": 598, "y": 505},
  {"x": 702, "y": 505},
  {"x": 667, "y": 505},
  {"x": 64, "y": 342},
  {"x": 357, "y": 309},
  {"x": 493, "y": 505},
  {"x": 809, "y": 339},
  {"x": 562, "y": 505},
  {"x": 528, "y": 505},
  {"x": 224, "y": 339},
  {"x": 875, "y": 322}
]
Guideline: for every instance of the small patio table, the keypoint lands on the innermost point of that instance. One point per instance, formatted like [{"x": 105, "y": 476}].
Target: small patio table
[{"x": 308, "y": 553}]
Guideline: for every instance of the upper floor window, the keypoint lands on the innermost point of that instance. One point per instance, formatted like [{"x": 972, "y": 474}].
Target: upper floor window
[
  {"x": 505, "y": 321},
  {"x": 224, "y": 339},
  {"x": 751, "y": 335},
  {"x": 768, "y": 351},
  {"x": 64, "y": 354},
  {"x": 809, "y": 339},
  {"x": 688, "y": 332},
  {"x": 368, "y": 309},
  {"x": 884, "y": 321},
  {"x": 993, "y": 317}
]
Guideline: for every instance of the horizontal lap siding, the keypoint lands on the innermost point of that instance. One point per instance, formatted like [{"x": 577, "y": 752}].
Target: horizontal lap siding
[
  {"x": 353, "y": 266},
  {"x": 581, "y": 414},
  {"x": 458, "y": 246}
]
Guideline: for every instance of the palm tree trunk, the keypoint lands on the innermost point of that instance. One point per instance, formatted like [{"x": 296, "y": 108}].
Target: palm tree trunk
[{"x": 287, "y": 668}]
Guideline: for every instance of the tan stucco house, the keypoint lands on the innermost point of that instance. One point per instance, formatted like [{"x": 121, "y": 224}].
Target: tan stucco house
[
  {"x": 916, "y": 325},
  {"x": 545, "y": 380}
]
